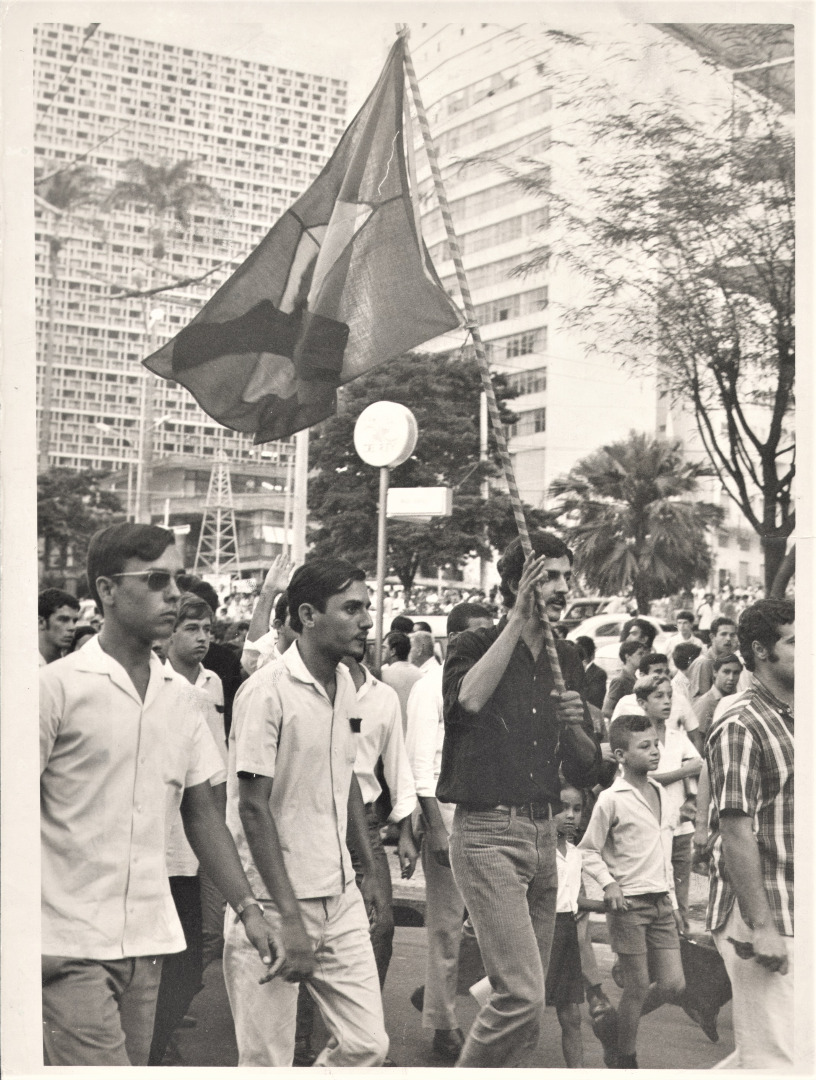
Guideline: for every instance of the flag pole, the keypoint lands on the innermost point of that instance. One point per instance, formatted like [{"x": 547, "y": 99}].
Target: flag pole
[{"x": 484, "y": 369}]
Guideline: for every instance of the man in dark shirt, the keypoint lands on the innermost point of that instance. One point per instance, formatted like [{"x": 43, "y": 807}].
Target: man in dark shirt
[
  {"x": 505, "y": 737},
  {"x": 594, "y": 676}
]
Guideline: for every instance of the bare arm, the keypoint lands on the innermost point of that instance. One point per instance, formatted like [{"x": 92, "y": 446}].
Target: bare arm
[
  {"x": 264, "y": 845},
  {"x": 480, "y": 683},
  {"x": 276, "y": 580},
  {"x": 375, "y": 900},
  {"x": 741, "y": 858},
  {"x": 691, "y": 768},
  {"x": 703, "y": 800},
  {"x": 436, "y": 836},
  {"x": 214, "y": 848}
]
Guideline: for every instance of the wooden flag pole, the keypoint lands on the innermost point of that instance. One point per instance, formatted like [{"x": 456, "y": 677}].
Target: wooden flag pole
[{"x": 487, "y": 383}]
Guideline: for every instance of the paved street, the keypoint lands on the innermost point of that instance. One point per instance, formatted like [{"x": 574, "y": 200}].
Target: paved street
[{"x": 668, "y": 1039}]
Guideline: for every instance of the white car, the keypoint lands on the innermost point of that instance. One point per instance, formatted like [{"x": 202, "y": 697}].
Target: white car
[{"x": 605, "y": 631}]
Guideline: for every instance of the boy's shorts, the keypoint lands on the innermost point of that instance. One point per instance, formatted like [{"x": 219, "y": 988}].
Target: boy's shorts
[
  {"x": 565, "y": 983},
  {"x": 648, "y": 923}
]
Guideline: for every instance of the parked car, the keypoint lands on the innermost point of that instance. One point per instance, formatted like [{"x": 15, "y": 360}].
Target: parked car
[
  {"x": 605, "y": 631},
  {"x": 581, "y": 608}
]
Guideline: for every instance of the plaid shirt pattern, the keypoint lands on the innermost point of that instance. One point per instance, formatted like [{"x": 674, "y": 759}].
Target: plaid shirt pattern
[{"x": 749, "y": 752}]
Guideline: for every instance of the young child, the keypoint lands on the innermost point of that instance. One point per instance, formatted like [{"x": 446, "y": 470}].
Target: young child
[
  {"x": 564, "y": 983},
  {"x": 627, "y": 849}
]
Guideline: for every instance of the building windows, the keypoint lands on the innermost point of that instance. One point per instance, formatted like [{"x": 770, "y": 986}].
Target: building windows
[
  {"x": 528, "y": 423},
  {"x": 533, "y": 381}
]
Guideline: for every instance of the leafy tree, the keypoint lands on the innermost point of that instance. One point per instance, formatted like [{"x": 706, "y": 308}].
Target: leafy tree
[
  {"x": 60, "y": 194},
  {"x": 630, "y": 516},
  {"x": 443, "y": 394},
  {"x": 71, "y": 506},
  {"x": 678, "y": 221}
]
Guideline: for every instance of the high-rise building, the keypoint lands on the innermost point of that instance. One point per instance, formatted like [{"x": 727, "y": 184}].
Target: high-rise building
[
  {"x": 256, "y": 133},
  {"x": 490, "y": 102}
]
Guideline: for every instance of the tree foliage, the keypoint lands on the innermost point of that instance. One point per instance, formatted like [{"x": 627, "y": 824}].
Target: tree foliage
[
  {"x": 71, "y": 506},
  {"x": 443, "y": 394},
  {"x": 630, "y": 515},
  {"x": 678, "y": 223}
]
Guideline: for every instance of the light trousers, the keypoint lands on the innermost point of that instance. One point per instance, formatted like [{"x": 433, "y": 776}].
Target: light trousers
[
  {"x": 444, "y": 912},
  {"x": 99, "y": 1012},
  {"x": 345, "y": 986},
  {"x": 504, "y": 863},
  {"x": 763, "y": 1003}
]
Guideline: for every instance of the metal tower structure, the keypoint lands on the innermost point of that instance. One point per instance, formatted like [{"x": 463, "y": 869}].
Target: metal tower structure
[{"x": 217, "y": 551}]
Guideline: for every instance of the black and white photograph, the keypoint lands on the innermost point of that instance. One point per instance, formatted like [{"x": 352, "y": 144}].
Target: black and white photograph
[{"x": 400, "y": 432}]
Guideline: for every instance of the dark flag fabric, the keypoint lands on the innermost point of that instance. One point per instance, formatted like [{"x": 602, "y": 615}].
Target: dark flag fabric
[{"x": 341, "y": 283}]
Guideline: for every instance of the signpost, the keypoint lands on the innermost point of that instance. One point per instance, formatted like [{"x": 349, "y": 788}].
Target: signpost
[{"x": 385, "y": 435}]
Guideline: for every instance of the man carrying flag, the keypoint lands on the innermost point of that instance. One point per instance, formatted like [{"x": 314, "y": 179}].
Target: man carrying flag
[{"x": 340, "y": 284}]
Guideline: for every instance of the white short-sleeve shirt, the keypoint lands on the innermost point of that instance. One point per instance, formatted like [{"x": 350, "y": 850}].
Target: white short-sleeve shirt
[
  {"x": 110, "y": 764},
  {"x": 285, "y": 727}
]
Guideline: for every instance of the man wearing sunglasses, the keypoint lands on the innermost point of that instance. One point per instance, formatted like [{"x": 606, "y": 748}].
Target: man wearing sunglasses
[{"x": 124, "y": 745}]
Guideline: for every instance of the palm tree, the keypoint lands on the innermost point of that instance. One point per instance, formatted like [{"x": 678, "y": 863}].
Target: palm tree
[
  {"x": 167, "y": 190},
  {"x": 169, "y": 193},
  {"x": 59, "y": 193},
  {"x": 631, "y": 518}
]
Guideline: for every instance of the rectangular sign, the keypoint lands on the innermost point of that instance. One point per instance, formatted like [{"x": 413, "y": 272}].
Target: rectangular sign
[{"x": 419, "y": 502}]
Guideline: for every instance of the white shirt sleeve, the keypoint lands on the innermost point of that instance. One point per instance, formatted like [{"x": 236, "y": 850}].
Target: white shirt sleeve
[
  {"x": 422, "y": 734},
  {"x": 594, "y": 840},
  {"x": 396, "y": 766},
  {"x": 258, "y": 652}
]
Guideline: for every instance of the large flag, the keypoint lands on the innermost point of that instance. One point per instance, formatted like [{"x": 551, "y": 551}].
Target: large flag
[{"x": 342, "y": 283}]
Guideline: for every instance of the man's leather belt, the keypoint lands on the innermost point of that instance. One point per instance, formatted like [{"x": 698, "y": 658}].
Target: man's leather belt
[{"x": 534, "y": 810}]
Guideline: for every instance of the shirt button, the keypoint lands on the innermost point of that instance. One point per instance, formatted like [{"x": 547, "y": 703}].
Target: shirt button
[
  {"x": 531, "y": 776},
  {"x": 533, "y": 710},
  {"x": 535, "y": 742}
]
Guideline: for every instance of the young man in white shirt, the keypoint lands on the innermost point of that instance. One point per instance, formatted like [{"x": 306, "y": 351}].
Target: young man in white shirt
[
  {"x": 444, "y": 906},
  {"x": 58, "y": 613},
  {"x": 291, "y": 794},
  {"x": 682, "y": 713},
  {"x": 685, "y": 633},
  {"x": 123, "y": 743}
]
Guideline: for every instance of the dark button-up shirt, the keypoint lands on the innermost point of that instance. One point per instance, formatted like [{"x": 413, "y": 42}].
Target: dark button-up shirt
[{"x": 509, "y": 751}]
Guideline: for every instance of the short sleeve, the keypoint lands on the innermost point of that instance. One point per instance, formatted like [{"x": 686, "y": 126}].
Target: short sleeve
[
  {"x": 735, "y": 768},
  {"x": 51, "y": 709},
  {"x": 465, "y": 651},
  {"x": 256, "y": 720},
  {"x": 205, "y": 762}
]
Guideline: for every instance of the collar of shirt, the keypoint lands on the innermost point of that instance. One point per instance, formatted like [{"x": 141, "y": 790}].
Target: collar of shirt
[
  {"x": 770, "y": 699},
  {"x": 620, "y": 783},
  {"x": 92, "y": 657},
  {"x": 296, "y": 667}
]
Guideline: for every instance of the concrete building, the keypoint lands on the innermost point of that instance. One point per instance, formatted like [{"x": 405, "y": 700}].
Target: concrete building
[
  {"x": 255, "y": 133},
  {"x": 488, "y": 93}
]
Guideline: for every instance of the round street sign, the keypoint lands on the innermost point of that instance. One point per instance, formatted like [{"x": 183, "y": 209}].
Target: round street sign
[{"x": 385, "y": 434}]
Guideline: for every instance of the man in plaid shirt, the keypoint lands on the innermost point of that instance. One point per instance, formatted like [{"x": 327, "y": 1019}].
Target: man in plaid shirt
[{"x": 749, "y": 751}]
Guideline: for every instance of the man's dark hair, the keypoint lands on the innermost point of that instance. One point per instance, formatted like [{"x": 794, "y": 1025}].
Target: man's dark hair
[
  {"x": 761, "y": 622},
  {"x": 426, "y": 627},
  {"x": 281, "y": 609},
  {"x": 629, "y": 648},
  {"x": 687, "y": 615},
  {"x": 684, "y": 654},
  {"x": 191, "y": 606},
  {"x": 111, "y": 548},
  {"x": 721, "y": 620},
  {"x": 203, "y": 589},
  {"x": 399, "y": 644},
  {"x": 643, "y": 625},
  {"x": 80, "y": 632},
  {"x": 586, "y": 647},
  {"x": 726, "y": 658},
  {"x": 402, "y": 624},
  {"x": 511, "y": 564},
  {"x": 51, "y": 600},
  {"x": 460, "y": 615},
  {"x": 623, "y": 727},
  {"x": 315, "y": 582},
  {"x": 651, "y": 658}
]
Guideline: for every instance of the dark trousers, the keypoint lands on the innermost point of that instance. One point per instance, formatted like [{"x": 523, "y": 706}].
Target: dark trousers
[
  {"x": 181, "y": 972},
  {"x": 382, "y": 937}
]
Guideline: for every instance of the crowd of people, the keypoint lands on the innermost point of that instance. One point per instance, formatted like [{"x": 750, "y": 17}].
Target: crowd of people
[{"x": 226, "y": 802}]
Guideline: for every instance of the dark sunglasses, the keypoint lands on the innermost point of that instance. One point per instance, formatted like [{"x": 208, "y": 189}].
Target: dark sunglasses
[{"x": 157, "y": 580}]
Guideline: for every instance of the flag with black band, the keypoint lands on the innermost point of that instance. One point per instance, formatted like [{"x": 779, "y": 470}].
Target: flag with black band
[{"x": 341, "y": 284}]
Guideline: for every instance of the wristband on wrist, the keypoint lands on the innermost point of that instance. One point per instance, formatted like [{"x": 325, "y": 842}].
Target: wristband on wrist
[{"x": 248, "y": 901}]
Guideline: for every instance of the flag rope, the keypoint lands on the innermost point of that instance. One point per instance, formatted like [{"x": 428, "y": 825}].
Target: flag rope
[{"x": 484, "y": 369}]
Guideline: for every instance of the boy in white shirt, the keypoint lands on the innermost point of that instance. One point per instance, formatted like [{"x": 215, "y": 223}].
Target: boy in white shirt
[{"x": 627, "y": 849}]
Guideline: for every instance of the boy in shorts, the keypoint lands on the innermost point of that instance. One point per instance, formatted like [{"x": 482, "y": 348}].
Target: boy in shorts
[
  {"x": 564, "y": 985},
  {"x": 627, "y": 849}
]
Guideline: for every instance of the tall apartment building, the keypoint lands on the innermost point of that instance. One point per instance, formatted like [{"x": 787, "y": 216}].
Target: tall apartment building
[
  {"x": 258, "y": 134},
  {"x": 488, "y": 93}
]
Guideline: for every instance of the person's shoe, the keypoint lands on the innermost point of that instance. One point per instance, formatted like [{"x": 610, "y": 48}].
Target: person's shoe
[
  {"x": 418, "y": 998},
  {"x": 304, "y": 1055},
  {"x": 706, "y": 1020},
  {"x": 625, "y": 1061},
  {"x": 188, "y": 1022},
  {"x": 448, "y": 1044},
  {"x": 172, "y": 1055},
  {"x": 389, "y": 1064}
]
